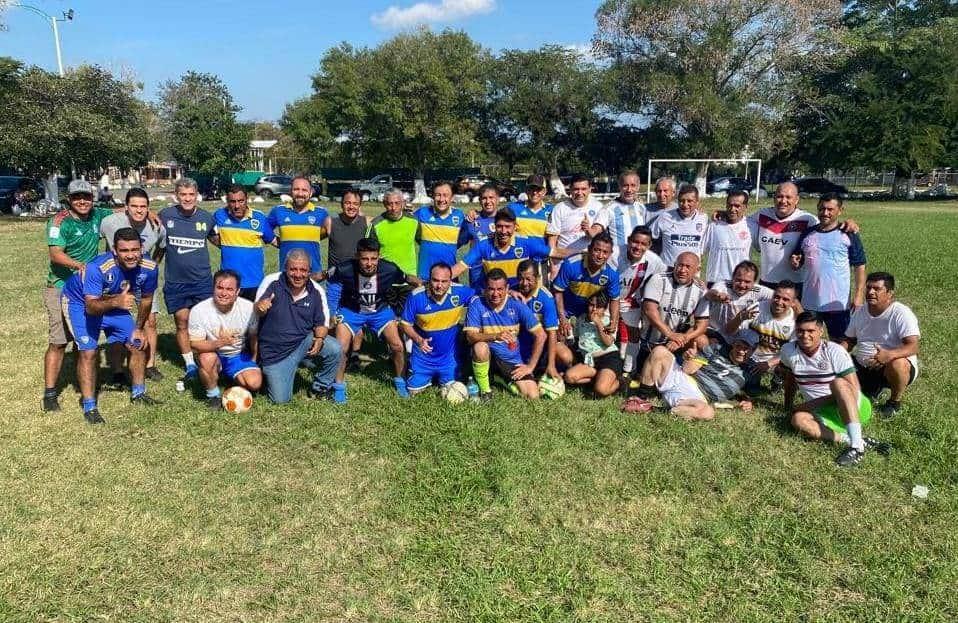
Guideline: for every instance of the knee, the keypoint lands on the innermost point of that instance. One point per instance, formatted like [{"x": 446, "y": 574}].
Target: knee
[
  {"x": 707, "y": 412},
  {"x": 331, "y": 349},
  {"x": 253, "y": 381},
  {"x": 480, "y": 351},
  {"x": 206, "y": 361},
  {"x": 529, "y": 390},
  {"x": 87, "y": 356},
  {"x": 801, "y": 420},
  {"x": 396, "y": 346}
]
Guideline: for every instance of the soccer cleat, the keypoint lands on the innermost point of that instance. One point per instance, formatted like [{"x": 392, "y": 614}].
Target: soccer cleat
[
  {"x": 889, "y": 410},
  {"x": 50, "y": 403},
  {"x": 485, "y": 397},
  {"x": 93, "y": 416},
  {"x": 850, "y": 457},
  {"x": 319, "y": 393},
  {"x": 214, "y": 403},
  {"x": 400, "y": 384},
  {"x": 339, "y": 393},
  {"x": 153, "y": 374},
  {"x": 144, "y": 399},
  {"x": 881, "y": 447},
  {"x": 636, "y": 404}
]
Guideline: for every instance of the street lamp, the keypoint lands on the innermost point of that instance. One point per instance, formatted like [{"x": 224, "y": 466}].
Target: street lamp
[{"x": 67, "y": 16}]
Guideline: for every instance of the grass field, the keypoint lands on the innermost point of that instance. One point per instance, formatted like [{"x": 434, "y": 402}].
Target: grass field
[{"x": 418, "y": 511}]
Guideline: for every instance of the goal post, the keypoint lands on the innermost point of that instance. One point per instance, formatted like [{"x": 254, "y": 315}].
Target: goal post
[{"x": 725, "y": 161}]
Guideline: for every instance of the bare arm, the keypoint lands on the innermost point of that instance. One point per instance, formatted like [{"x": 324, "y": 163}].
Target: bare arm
[
  {"x": 614, "y": 305},
  {"x": 58, "y": 256},
  {"x": 858, "y": 299},
  {"x": 651, "y": 311}
]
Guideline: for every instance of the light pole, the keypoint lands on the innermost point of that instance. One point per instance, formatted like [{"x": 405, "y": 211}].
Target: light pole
[{"x": 67, "y": 16}]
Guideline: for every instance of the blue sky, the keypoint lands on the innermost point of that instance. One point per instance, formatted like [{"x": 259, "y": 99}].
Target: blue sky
[{"x": 266, "y": 52}]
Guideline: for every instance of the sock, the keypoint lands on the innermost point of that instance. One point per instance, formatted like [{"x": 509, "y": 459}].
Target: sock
[
  {"x": 188, "y": 360},
  {"x": 89, "y": 404},
  {"x": 629, "y": 351},
  {"x": 213, "y": 393},
  {"x": 481, "y": 371},
  {"x": 50, "y": 392},
  {"x": 137, "y": 390},
  {"x": 855, "y": 435}
]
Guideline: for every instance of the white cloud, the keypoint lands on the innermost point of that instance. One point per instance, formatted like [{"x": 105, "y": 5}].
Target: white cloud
[{"x": 396, "y": 18}]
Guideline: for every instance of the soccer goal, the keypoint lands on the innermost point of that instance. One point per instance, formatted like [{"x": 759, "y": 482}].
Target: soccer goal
[{"x": 743, "y": 164}]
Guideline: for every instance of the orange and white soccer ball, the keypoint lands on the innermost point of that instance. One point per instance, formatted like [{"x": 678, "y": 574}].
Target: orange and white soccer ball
[{"x": 237, "y": 400}]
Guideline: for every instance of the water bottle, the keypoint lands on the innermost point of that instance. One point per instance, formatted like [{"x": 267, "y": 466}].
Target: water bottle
[{"x": 472, "y": 389}]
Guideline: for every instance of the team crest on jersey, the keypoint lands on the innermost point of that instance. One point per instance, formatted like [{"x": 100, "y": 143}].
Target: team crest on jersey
[
  {"x": 141, "y": 279},
  {"x": 512, "y": 313},
  {"x": 455, "y": 220},
  {"x": 537, "y": 306},
  {"x": 254, "y": 224},
  {"x": 169, "y": 224},
  {"x": 744, "y": 235},
  {"x": 519, "y": 251},
  {"x": 109, "y": 277},
  {"x": 603, "y": 280},
  {"x": 698, "y": 227},
  {"x": 286, "y": 220},
  {"x": 311, "y": 220},
  {"x": 823, "y": 365},
  {"x": 124, "y": 284},
  {"x": 454, "y": 299}
]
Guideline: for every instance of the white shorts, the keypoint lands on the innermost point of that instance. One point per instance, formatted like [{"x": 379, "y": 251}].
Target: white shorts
[{"x": 679, "y": 386}]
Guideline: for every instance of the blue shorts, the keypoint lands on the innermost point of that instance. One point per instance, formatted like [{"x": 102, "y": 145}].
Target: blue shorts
[
  {"x": 233, "y": 365},
  {"x": 422, "y": 373},
  {"x": 185, "y": 295},
  {"x": 118, "y": 326},
  {"x": 376, "y": 321}
]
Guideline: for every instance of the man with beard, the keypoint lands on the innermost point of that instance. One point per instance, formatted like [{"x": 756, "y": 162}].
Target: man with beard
[
  {"x": 243, "y": 234},
  {"x": 442, "y": 230},
  {"x": 626, "y": 213},
  {"x": 300, "y": 225},
  {"x": 636, "y": 268}
]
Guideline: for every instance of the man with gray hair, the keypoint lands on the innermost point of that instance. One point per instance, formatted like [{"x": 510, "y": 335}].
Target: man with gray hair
[
  {"x": 664, "y": 200},
  {"x": 188, "y": 276},
  {"x": 396, "y": 232}
]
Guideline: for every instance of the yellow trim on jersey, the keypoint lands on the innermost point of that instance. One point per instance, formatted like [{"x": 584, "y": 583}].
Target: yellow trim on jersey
[
  {"x": 531, "y": 227},
  {"x": 107, "y": 265},
  {"x": 509, "y": 266},
  {"x": 240, "y": 237},
  {"x": 446, "y": 234},
  {"x": 301, "y": 233},
  {"x": 439, "y": 320},
  {"x": 498, "y": 328},
  {"x": 585, "y": 289},
  {"x": 148, "y": 264}
]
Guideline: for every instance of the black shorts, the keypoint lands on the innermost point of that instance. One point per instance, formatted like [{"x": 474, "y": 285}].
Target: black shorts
[
  {"x": 504, "y": 370},
  {"x": 872, "y": 381},
  {"x": 248, "y": 293},
  {"x": 836, "y": 322},
  {"x": 185, "y": 295},
  {"x": 608, "y": 361}
]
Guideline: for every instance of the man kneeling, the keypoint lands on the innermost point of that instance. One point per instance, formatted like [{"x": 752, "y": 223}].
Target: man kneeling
[
  {"x": 703, "y": 377},
  {"x": 223, "y": 334}
]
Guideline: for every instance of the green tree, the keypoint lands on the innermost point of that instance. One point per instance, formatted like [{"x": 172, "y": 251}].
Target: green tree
[{"x": 199, "y": 119}]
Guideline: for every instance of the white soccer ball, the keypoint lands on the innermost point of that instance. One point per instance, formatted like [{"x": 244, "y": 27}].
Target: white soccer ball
[
  {"x": 237, "y": 399},
  {"x": 454, "y": 392},
  {"x": 551, "y": 388}
]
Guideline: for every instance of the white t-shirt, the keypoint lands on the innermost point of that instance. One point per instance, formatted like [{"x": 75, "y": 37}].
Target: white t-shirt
[
  {"x": 769, "y": 334},
  {"x": 726, "y": 245},
  {"x": 206, "y": 322},
  {"x": 721, "y": 313},
  {"x": 566, "y": 221},
  {"x": 815, "y": 372},
  {"x": 679, "y": 305},
  {"x": 776, "y": 240},
  {"x": 886, "y": 330},
  {"x": 632, "y": 279},
  {"x": 623, "y": 218},
  {"x": 679, "y": 234}
]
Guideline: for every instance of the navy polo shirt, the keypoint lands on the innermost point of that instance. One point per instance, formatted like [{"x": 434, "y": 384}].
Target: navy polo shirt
[{"x": 288, "y": 322}]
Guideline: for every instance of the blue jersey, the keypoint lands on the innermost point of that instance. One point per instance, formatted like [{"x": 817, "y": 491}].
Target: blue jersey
[
  {"x": 437, "y": 321},
  {"x": 241, "y": 244},
  {"x": 531, "y": 223},
  {"x": 483, "y": 228},
  {"x": 299, "y": 230},
  {"x": 487, "y": 256},
  {"x": 543, "y": 305},
  {"x": 511, "y": 316},
  {"x": 577, "y": 284},
  {"x": 187, "y": 254},
  {"x": 829, "y": 256},
  {"x": 439, "y": 237},
  {"x": 103, "y": 276}
]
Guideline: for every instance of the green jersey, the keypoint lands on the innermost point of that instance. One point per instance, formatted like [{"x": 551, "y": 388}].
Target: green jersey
[
  {"x": 397, "y": 240},
  {"x": 78, "y": 238}
]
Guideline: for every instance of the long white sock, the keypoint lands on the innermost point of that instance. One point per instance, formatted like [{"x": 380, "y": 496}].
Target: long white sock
[
  {"x": 855, "y": 435},
  {"x": 188, "y": 359},
  {"x": 629, "y": 351}
]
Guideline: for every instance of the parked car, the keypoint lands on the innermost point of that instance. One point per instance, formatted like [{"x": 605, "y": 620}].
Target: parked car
[
  {"x": 272, "y": 185},
  {"x": 10, "y": 185},
  {"x": 728, "y": 184},
  {"x": 374, "y": 187},
  {"x": 469, "y": 185},
  {"x": 817, "y": 186}
]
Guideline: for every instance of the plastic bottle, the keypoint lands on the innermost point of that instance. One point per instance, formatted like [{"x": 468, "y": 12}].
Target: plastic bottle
[{"x": 472, "y": 389}]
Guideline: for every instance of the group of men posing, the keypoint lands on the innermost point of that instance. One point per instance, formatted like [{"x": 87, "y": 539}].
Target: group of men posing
[{"x": 605, "y": 296}]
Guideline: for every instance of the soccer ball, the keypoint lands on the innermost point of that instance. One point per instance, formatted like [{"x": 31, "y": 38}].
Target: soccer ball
[
  {"x": 454, "y": 392},
  {"x": 237, "y": 400},
  {"x": 551, "y": 388}
]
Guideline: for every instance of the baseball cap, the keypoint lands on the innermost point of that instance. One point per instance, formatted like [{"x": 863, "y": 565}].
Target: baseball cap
[
  {"x": 80, "y": 187},
  {"x": 536, "y": 180}
]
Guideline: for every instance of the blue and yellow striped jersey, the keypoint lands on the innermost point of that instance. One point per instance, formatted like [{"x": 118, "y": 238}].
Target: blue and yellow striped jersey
[
  {"x": 299, "y": 230},
  {"x": 438, "y": 321},
  {"x": 487, "y": 255},
  {"x": 439, "y": 237},
  {"x": 531, "y": 223},
  {"x": 577, "y": 284},
  {"x": 543, "y": 306},
  {"x": 241, "y": 244},
  {"x": 512, "y": 316}
]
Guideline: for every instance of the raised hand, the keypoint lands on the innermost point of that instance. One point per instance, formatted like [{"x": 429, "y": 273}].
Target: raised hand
[
  {"x": 264, "y": 304},
  {"x": 124, "y": 300}
]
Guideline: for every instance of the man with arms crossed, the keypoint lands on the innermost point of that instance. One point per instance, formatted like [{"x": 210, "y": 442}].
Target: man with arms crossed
[
  {"x": 885, "y": 336},
  {"x": 223, "y": 334}
]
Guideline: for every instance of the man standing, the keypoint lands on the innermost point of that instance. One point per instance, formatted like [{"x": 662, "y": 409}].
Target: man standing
[
  {"x": 582, "y": 276},
  {"x": 432, "y": 319},
  {"x": 626, "y": 213},
  {"x": 243, "y": 233},
  {"x": 543, "y": 306},
  {"x": 104, "y": 296},
  {"x": 360, "y": 295},
  {"x": 532, "y": 217},
  {"x": 73, "y": 236},
  {"x": 493, "y": 324},
  {"x": 638, "y": 266},
  {"x": 293, "y": 326},
  {"x": 682, "y": 229},
  {"x": 188, "y": 277},
  {"x": 481, "y": 226},
  {"x": 442, "y": 230},
  {"x": 775, "y": 234},
  {"x": 396, "y": 233},
  {"x": 885, "y": 336},
  {"x": 346, "y": 228},
  {"x": 153, "y": 239},
  {"x": 728, "y": 241},
  {"x": 300, "y": 226},
  {"x": 223, "y": 334},
  {"x": 829, "y": 255},
  {"x": 834, "y": 409},
  {"x": 578, "y": 219},
  {"x": 664, "y": 200}
]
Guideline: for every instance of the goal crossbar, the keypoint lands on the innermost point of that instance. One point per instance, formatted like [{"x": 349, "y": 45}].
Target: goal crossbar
[{"x": 758, "y": 179}]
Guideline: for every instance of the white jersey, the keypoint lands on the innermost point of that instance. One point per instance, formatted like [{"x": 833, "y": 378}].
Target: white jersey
[
  {"x": 721, "y": 313},
  {"x": 679, "y": 234},
  {"x": 776, "y": 240},
  {"x": 623, "y": 218},
  {"x": 815, "y": 372},
  {"x": 655, "y": 209},
  {"x": 769, "y": 334},
  {"x": 679, "y": 305},
  {"x": 632, "y": 279},
  {"x": 566, "y": 220},
  {"x": 887, "y": 330},
  {"x": 206, "y": 322},
  {"x": 726, "y": 245}
]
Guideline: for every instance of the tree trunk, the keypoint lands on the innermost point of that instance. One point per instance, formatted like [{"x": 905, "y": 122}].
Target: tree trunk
[
  {"x": 558, "y": 188},
  {"x": 701, "y": 175}
]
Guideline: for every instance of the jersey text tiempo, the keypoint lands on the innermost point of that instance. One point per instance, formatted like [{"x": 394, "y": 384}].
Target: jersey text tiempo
[{"x": 187, "y": 252}]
